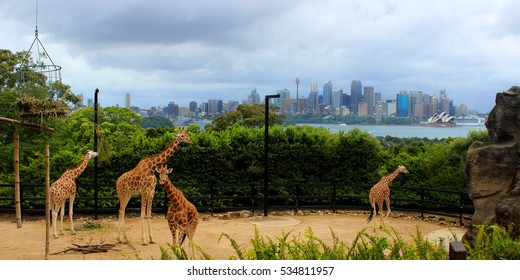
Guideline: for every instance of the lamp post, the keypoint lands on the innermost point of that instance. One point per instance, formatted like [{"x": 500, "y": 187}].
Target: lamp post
[
  {"x": 266, "y": 153},
  {"x": 96, "y": 131}
]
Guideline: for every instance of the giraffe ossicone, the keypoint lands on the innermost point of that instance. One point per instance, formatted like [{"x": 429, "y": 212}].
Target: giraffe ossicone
[
  {"x": 141, "y": 181},
  {"x": 380, "y": 193},
  {"x": 65, "y": 188}
]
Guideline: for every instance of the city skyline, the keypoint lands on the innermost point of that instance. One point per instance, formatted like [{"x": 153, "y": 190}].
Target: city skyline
[
  {"x": 368, "y": 103},
  {"x": 185, "y": 50}
]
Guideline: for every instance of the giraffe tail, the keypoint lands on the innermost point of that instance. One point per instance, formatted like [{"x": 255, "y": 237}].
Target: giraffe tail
[
  {"x": 371, "y": 215},
  {"x": 183, "y": 237}
]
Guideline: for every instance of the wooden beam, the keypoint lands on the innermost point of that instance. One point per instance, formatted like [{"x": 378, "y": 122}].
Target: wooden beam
[{"x": 26, "y": 124}]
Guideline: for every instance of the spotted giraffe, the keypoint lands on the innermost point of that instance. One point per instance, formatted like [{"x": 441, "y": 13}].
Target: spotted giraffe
[
  {"x": 65, "y": 188},
  {"x": 182, "y": 216},
  {"x": 141, "y": 180},
  {"x": 380, "y": 193}
]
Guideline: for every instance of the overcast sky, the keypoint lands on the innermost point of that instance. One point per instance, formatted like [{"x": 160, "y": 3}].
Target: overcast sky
[{"x": 168, "y": 50}]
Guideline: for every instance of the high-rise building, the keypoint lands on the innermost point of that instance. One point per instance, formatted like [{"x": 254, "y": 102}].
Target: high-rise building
[
  {"x": 403, "y": 100},
  {"x": 127, "y": 101},
  {"x": 416, "y": 104},
  {"x": 337, "y": 98},
  {"x": 254, "y": 97},
  {"x": 355, "y": 96},
  {"x": 193, "y": 106},
  {"x": 327, "y": 93},
  {"x": 284, "y": 93},
  {"x": 214, "y": 106},
  {"x": 369, "y": 98},
  {"x": 173, "y": 109},
  {"x": 313, "y": 99}
]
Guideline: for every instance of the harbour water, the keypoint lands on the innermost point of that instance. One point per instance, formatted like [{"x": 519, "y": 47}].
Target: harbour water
[
  {"x": 405, "y": 131},
  {"x": 401, "y": 131}
]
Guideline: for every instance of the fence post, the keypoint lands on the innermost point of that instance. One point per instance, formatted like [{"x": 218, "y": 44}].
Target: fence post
[
  {"x": 422, "y": 203},
  {"x": 457, "y": 251},
  {"x": 298, "y": 193},
  {"x": 334, "y": 198},
  {"x": 461, "y": 205}
]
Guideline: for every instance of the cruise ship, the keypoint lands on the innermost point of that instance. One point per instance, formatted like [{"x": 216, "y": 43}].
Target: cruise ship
[{"x": 469, "y": 121}]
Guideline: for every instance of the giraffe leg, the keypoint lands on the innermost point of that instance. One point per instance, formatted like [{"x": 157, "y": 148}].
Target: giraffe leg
[
  {"x": 71, "y": 206},
  {"x": 143, "y": 218},
  {"x": 381, "y": 221},
  {"x": 149, "y": 215},
  {"x": 374, "y": 212},
  {"x": 387, "y": 199},
  {"x": 55, "y": 210},
  {"x": 123, "y": 201},
  {"x": 62, "y": 213}
]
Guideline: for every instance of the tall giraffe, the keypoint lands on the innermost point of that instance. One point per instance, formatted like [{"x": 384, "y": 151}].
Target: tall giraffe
[
  {"x": 182, "y": 216},
  {"x": 380, "y": 193},
  {"x": 63, "y": 188},
  {"x": 141, "y": 181}
]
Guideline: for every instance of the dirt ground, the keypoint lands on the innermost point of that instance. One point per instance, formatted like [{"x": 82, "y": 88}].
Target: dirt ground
[{"x": 28, "y": 242}]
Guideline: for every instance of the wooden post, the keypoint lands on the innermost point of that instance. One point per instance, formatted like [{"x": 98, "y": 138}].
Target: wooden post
[
  {"x": 47, "y": 202},
  {"x": 457, "y": 251},
  {"x": 17, "y": 202}
]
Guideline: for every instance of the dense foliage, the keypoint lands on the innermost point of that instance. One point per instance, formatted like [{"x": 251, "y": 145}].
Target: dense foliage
[{"x": 234, "y": 155}]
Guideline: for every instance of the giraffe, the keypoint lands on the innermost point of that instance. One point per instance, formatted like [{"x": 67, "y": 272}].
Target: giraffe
[
  {"x": 65, "y": 188},
  {"x": 380, "y": 193},
  {"x": 141, "y": 181},
  {"x": 182, "y": 216}
]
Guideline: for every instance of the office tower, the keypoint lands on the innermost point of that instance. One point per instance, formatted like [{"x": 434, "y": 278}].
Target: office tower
[
  {"x": 355, "y": 96},
  {"x": 403, "y": 100},
  {"x": 127, "y": 101},
  {"x": 173, "y": 109},
  {"x": 193, "y": 106},
  {"x": 337, "y": 98},
  {"x": 416, "y": 104},
  {"x": 214, "y": 106},
  {"x": 369, "y": 99},
  {"x": 313, "y": 99},
  {"x": 232, "y": 105},
  {"x": 391, "y": 107},
  {"x": 284, "y": 93},
  {"x": 327, "y": 93},
  {"x": 362, "y": 109}
]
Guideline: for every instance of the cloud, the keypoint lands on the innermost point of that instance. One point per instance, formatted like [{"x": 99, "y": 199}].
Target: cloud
[{"x": 165, "y": 51}]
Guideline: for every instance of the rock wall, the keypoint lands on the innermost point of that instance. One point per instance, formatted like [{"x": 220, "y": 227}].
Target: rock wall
[{"x": 492, "y": 169}]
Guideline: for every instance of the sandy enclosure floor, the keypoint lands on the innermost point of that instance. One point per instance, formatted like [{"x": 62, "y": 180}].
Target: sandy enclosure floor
[{"x": 28, "y": 242}]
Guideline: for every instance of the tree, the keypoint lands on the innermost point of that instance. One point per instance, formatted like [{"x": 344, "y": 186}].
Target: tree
[{"x": 245, "y": 115}]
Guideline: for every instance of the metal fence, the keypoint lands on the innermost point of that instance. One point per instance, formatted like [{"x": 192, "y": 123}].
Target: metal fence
[{"x": 216, "y": 198}]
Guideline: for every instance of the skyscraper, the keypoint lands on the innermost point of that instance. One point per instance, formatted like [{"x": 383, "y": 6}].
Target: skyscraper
[
  {"x": 355, "y": 96},
  {"x": 327, "y": 93},
  {"x": 403, "y": 100},
  {"x": 312, "y": 100},
  {"x": 369, "y": 98},
  {"x": 127, "y": 101}
]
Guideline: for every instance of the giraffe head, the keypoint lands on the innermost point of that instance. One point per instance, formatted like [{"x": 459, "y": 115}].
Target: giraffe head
[
  {"x": 402, "y": 169},
  {"x": 91, "y": 154},
  {"x": 163, "y": 173},
  {"x": 183, "y": 136}
]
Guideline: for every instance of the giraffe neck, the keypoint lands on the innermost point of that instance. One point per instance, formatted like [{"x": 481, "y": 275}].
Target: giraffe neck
[
  {"x": 162, "y": 157},
  {"x": 76, "y": 171},
  {"x": 171, "y": 191},
  {"x": 390, "y": 177}
]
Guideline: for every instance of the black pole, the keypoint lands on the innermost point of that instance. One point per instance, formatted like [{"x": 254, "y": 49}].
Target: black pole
[
  {"x": 266, "y": 153},
  {"x": 95, "y": 150}
]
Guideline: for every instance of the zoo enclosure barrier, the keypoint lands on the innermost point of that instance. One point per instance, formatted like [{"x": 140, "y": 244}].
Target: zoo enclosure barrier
[{"x": 220, "y": 197}]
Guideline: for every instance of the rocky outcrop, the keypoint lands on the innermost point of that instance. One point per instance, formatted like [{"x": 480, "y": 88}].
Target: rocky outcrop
[{"x": 492, "y": 169}]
